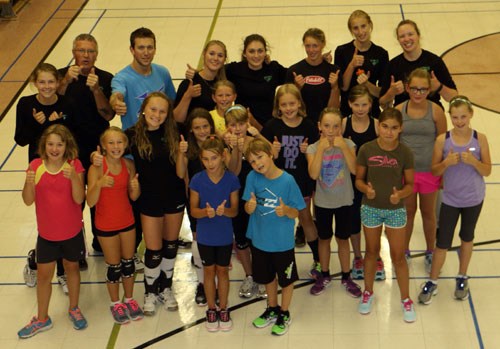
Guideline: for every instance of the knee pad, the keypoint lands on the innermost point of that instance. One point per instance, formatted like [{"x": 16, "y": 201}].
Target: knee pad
[
  {"x": 128, "y": 268},
  {"x": 113, "y": 273},
  {"x": 169, "y": 250},
  {"x": 152, "y": 259}
]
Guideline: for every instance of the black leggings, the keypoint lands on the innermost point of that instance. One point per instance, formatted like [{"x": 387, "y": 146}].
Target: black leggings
[{"x": 448, "y": 218}]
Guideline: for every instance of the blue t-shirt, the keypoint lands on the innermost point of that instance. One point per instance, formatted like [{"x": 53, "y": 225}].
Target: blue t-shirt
[
  {"x": 216, "y": 231},
  {"x": 135, "y": 87},
  {"x": 267, "y": 231}
]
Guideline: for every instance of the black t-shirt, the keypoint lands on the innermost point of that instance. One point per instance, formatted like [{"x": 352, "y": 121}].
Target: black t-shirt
[
  {"x": 89, "y": 124},
  {"x": 256, "y": 88},
  {"x": 204, "y": 100},
  {"x": 28, "y": 130},
  {"x": 158, "y": 177},
  {"x": 290, "y": 158},
  {"x": 400, "y": 68},
  {"x": 376, "y": 59},
  {"x": 316, "y": 90}
]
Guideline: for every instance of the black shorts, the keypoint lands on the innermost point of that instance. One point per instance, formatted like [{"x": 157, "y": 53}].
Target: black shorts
[
  {"x": 324, "y": 222},
  {"x": 218, "y": 255},
  {"x": 448, "y": 219},
  {"x": 155, "y": 206},
  {"x": 49, "y": 251},
  {"x": 266, "y": 265},
  {"x": 108, "y": 234}
]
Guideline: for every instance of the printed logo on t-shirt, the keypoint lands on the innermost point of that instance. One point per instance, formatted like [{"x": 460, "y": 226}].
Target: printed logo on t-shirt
[
  {"x": 374, "y": 61},
  {"x": 382, "y": 161},
  {"x": 268, "y": 78},
  {"x": 331, "y": 171},
  {"x": 291, "y": 150},
  {"x": 266, "y": 202},
  {"x": 314, "y": 80}
]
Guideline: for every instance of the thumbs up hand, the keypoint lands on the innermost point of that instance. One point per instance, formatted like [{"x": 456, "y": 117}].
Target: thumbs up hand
[
  {"x": 394, "y": 198},
  {"x": 190, "y": 72},
  {"x": 134, "y": 182},
  {"x": 370, "y": 192},
  {"x": 69, "y": 172},
  {"x": 183, "y": 145},
  {"x": 467, "y": 157},
  {"x": 221, "y": 208},
  {"x": 281, "y": 209},
  {"x": 30, "y": 175},
  {"x": 396, "y": 87},
  {"x": 251, "y": 204},
  {"x": 357, "y": 59},
  {"x": 96, "y": 157},
  {"x": 210, "y": 211},
  {"x": 363, "y": 77},
  {"x": 276, "y": 147},
  {"x": 194, "y": 90},
  {"x": 106, "y": 180},
  {"x": 299, "y": 80},
  {"x": 92, "y": 80},
  {"x": 304, "y": 145},
  {"x": 39, "y": 116},
  {"x": 452, "y": 158}
]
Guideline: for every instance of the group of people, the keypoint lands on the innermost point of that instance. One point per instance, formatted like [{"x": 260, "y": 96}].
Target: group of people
[{"x": 247, "y": 148}]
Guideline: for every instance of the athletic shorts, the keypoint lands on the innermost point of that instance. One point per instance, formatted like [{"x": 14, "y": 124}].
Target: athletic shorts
[
  {"x": 72, "y": 249},
  {"x": 372, "y": 217},
  {"x": 324, "y": 222},
  {"x": 240, "y": 225},
  {"x": 267, "y": 265},
  {"x": 111, "y": 233},
  {"x": 218, "y": 255},
  {"x": 426, "y": 183},
  {"x": 448, "y": 219},
  {"x": 155, "y": 207}
]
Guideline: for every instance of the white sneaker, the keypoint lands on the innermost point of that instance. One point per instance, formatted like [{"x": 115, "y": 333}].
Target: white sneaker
[
  {"x": 261, "y": 291},
  {"x": 62, "y": 282},
  {"x": 139, "y": 265},
  {"x": 149, "y": 307},
  {"x": 247, "y": 288},
  {"x": 167, "y": 297},
  {"x": 30, "y": 276}
]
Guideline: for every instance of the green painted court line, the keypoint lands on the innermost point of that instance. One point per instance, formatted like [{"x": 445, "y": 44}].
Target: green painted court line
[{"x": 210, "y": 32}]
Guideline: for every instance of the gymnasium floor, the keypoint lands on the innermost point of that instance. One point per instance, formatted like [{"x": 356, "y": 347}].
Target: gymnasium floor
[{"x": 330, "y": 320}]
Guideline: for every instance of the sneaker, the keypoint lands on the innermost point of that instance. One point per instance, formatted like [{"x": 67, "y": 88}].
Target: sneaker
[
  {"x": 380, "y": 271},
  {"x": 409, "y": 314},
  {"x": 149, "y": 307},
  {"x": 82, "y": 263},
  {"x": 167, "y": 297},
  {"x": 119, "y": 313},
  {"x": 408, "y": 257},
  {"x": 429, "y": 289},
  {"x": 200, "y": 298},
  {"x": 134, "y": 310},
  {"x": 462, "y": 288},
  {"x": 225, "y": 322},
  {"x": 315, "y": 272},
  {"x": 30, "y": 276},
  {"x": 76, "y": 316},
  {"x": 138, "y": 263},
  {"x": 365, "y": 304},
  {"x": 34, "y": 327},
  {"x": 247, "y": 288},
  {"x": 357, "y": 271},
  {"x": 212, "y": 323},
  {"x": 261, "y": 291},
  {"x": 428, "y": 262},
  {"x": 320, "y": 285},
  {"x": 61, "y": 280},
  {"x": 268, "y": 317},
  {"x": 282, "y": 324},
  {"x": 184, "y": 244},
  {"x": 300, "y": 239},
  {"x": 351, "y": 287}
]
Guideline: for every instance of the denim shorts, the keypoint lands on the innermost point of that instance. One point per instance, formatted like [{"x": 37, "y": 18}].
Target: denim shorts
[{"x": 372, "y": 217}]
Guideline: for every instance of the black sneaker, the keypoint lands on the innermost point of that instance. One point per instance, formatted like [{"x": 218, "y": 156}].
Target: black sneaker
[
  {"x": 300, "y": 239},
  {"x": 184, "y": 244},
  {"x": 200, "y": 298}
]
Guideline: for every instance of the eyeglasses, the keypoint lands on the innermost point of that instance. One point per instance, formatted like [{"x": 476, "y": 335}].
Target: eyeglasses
[
  {"x": 419, "y": 91},
  {"x": 83, "y": 51}
]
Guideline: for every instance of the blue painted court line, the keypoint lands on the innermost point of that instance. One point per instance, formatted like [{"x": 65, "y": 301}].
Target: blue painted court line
[{"x": 8, "y": 156}]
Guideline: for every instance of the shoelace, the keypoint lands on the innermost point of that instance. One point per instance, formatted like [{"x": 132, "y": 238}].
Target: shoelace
[
  {"x": 133, "y": 304},
  {"x": 224, "y": 316},
  {"x": 212, "y": 316},
  {"x": 427, "y": 286},
  {"x": 408, "y": 305},
  {"x": 76, "y": 314},
  {"x": 120, "y": 308},
  {"x": 366, "y": 297}
]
